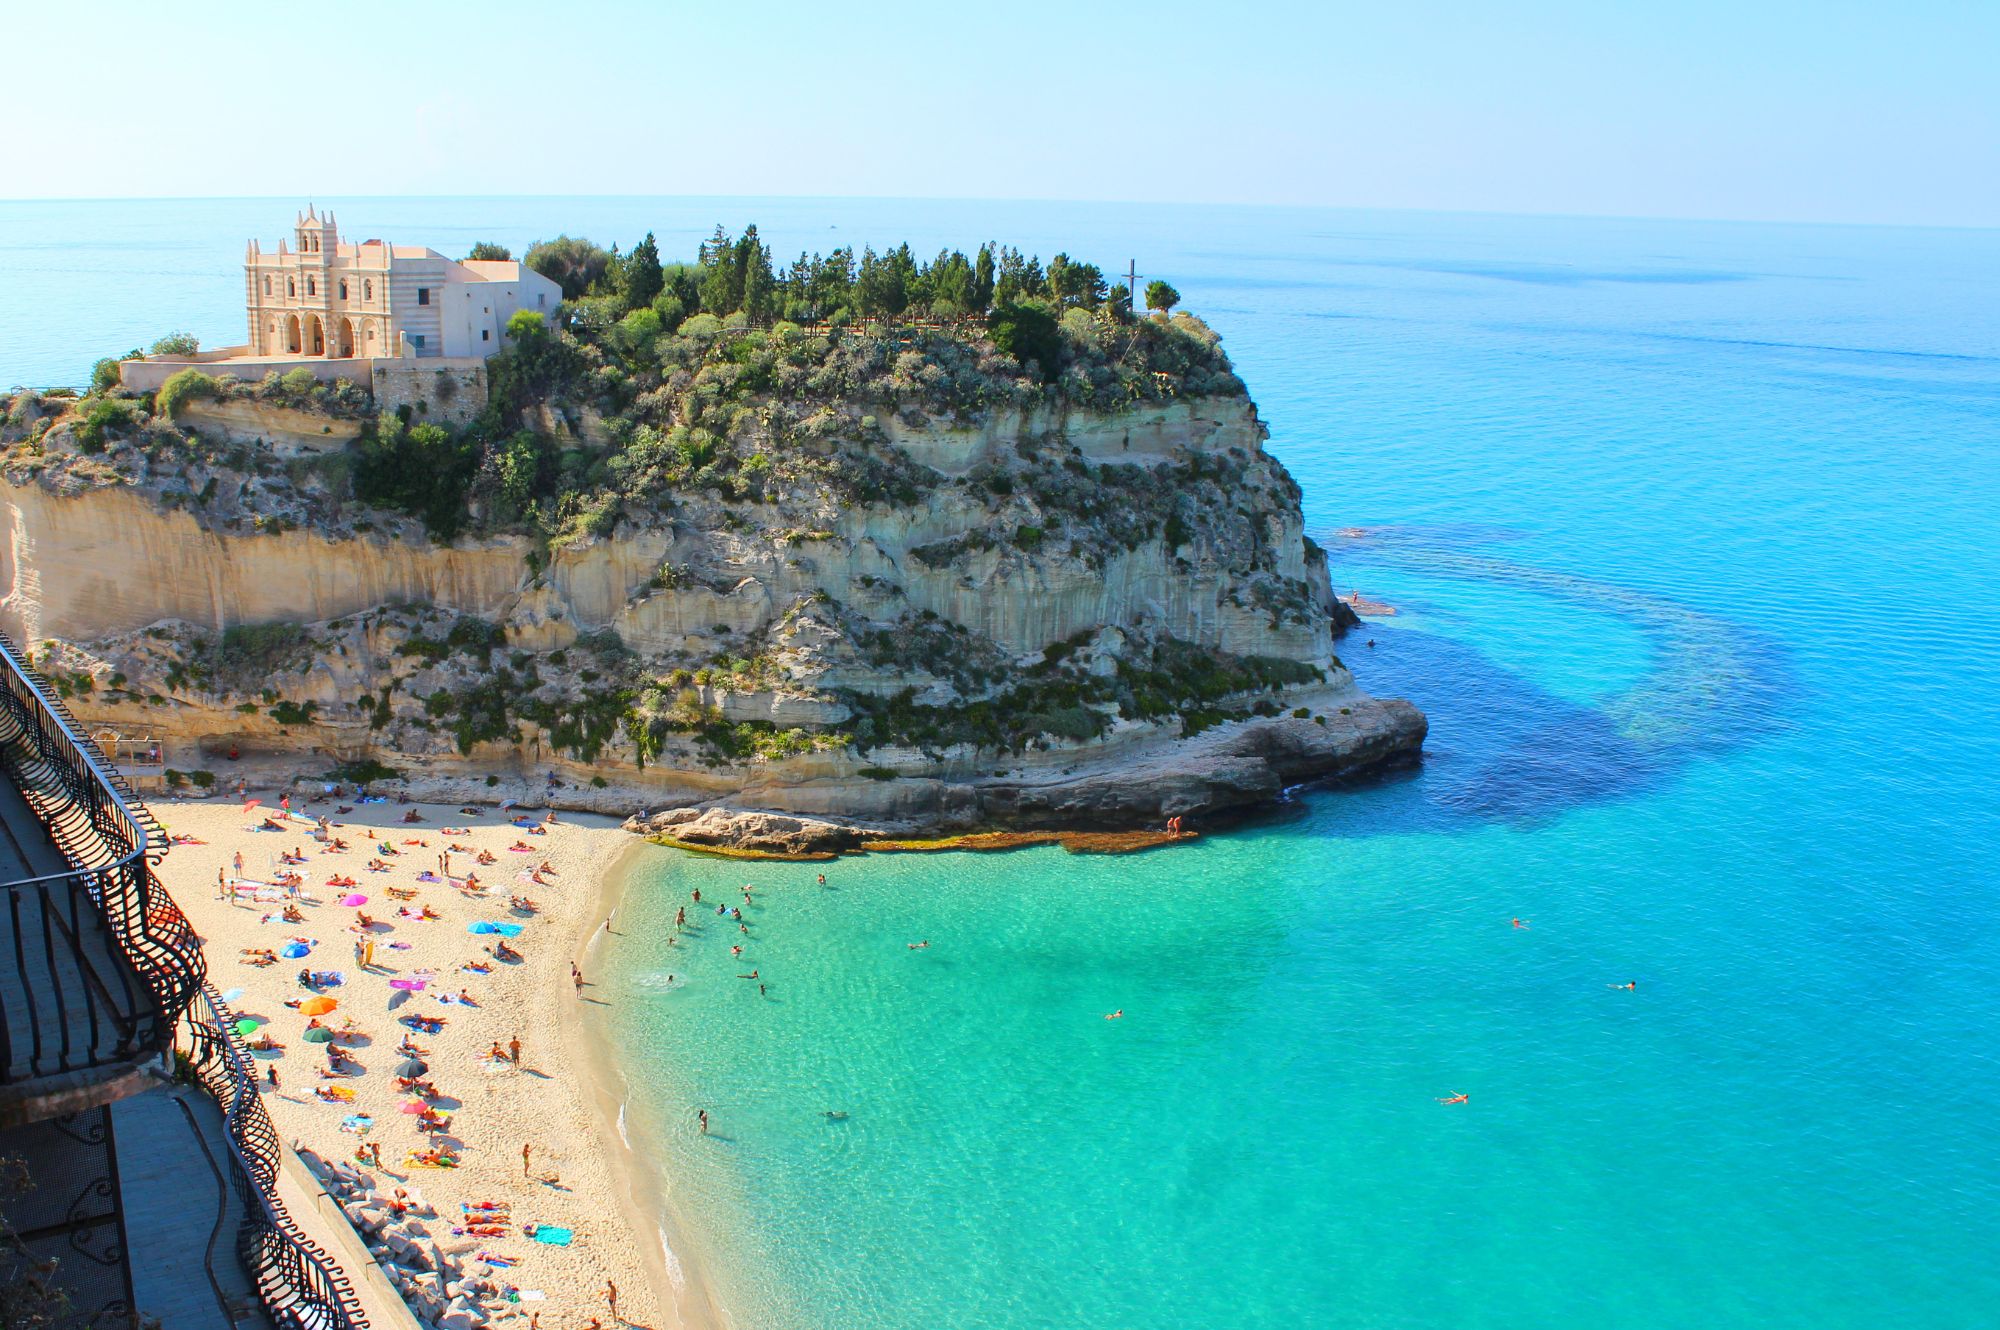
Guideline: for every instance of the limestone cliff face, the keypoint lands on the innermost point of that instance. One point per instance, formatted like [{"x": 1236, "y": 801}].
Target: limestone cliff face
[{"x": 1125, "y": 578}]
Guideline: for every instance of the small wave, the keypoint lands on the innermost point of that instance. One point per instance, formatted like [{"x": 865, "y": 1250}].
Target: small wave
[
  {"x": 623, "y": 1135},
  {"x": 674, "y": 1271}
]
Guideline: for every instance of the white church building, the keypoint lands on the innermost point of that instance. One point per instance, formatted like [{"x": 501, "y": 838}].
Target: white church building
[{"x": 320, "y": 299}]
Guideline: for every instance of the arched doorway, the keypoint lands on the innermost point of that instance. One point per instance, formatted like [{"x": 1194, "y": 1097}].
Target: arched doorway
[
  {"x": 315, "y": 337},
  {"x": 292, "y": 334},
  {"x": 346, "y": 339}
]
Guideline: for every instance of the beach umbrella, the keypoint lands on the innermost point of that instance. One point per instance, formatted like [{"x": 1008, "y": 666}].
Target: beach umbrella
[
  {"x": 248, "y": 1025},
  {"x": 317, "y": 1006},
  {"x": 398, "y": 998},
  {"x": 319, "y": 1034},
  {"x": 354, "y": 898},
  {"x": 412, "y": 1067},
  {"x": 232, "y": 995},
  {"x": 293, "y": 950},
  {"x": 482, "y": 927},
  {"x": 251, "y": 804},
  {"x": 412, "y": 1107},
  {"x": 408, "y": 985}
]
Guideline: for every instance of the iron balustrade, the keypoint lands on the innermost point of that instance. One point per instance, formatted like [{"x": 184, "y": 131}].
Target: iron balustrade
[
  {"x": 302, "y": 1287},
  {"x": 104, "y": 963}
]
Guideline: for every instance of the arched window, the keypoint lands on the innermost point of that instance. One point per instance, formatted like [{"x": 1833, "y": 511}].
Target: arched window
[
  {"x": 343, "y": 290},
  {"x": 292, "y": 287},
  {"x": 367, "y": 291},
  {"x": 312, "y": 287},
  {"x": 267, "y": 286}
]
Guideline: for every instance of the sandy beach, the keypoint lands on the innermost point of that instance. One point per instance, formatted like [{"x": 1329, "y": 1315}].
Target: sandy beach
[{"x": 493, "y": 1106}]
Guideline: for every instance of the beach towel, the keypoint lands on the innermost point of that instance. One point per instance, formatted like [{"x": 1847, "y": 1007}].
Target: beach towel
[{"x": 550, "y": 1235}]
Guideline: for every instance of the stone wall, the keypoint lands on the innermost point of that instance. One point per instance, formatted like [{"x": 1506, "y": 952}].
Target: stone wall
[{"x": 441, "y": 391}]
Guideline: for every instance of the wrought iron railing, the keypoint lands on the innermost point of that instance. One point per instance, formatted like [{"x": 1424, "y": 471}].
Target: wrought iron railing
[
  {"x": 301, "y": 1286},
  {"x": 104, "y": 963}
]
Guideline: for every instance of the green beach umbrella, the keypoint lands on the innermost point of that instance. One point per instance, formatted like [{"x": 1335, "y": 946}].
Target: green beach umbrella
[
  {"x": 319, "y": 1034},
  {"x": 248, "y": 1025}
]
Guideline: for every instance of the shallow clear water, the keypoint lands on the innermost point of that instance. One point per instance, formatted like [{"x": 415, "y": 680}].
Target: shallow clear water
[{"x": 1692, "y": 532}]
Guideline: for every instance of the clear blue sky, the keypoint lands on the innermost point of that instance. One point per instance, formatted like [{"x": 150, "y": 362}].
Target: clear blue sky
[{"x": 1756, "y": 109}]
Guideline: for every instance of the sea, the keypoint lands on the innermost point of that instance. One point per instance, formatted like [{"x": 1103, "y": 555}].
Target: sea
[{"x": 1691, "y": 532}]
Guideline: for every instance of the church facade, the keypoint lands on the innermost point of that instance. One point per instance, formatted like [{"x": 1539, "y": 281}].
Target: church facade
[{"x": 321, "y": 297}]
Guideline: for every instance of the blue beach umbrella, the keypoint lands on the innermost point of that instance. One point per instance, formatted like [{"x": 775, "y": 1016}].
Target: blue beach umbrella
[
  {"x": 232, "y": 995},
  {"x": 293, "y": 950},
  {"x": 482, "y": 927}
]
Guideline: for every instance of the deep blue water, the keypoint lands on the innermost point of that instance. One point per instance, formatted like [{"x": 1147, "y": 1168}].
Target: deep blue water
[{"x": 1691, "y": 530}]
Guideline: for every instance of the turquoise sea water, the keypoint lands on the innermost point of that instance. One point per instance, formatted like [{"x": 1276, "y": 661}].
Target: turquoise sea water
[{"x": 1692, "y": 533}]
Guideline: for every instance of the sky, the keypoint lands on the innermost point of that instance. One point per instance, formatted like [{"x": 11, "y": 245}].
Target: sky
[{"x": 1826, "y": 111}]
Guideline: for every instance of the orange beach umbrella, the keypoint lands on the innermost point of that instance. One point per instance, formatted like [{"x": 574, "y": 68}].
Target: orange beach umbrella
[{"x": 317, "y": 1006}]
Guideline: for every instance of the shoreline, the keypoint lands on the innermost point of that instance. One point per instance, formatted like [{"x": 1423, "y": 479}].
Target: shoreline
[
  {"x": 553, "y": 1098},
  {"x": 662, "y": 1238}
]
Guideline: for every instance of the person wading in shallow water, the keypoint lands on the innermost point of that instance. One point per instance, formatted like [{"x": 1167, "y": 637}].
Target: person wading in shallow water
[{"x": 702, "y": 1113}]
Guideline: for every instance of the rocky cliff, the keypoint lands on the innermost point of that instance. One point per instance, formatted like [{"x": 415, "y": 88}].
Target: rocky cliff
[{"x": 1027, "y": 614}]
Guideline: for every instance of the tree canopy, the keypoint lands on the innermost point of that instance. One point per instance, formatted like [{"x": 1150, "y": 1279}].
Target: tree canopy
[{"x": 487, "y": 251}]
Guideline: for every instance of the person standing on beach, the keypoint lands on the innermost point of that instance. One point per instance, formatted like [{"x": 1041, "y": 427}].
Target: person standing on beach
[
  {"x": 514, "y": 1050},
  {"x": 576, "y": 977},
  {"x": 611, "y": 1297},
  {"x": 527, "y": 1155},
  {"x": 239, "y": 863},
  {"x": 221, "y": 885}
]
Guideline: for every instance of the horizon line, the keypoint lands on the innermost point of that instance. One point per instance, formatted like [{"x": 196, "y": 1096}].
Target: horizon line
[{"x": 1132, "y": 203}]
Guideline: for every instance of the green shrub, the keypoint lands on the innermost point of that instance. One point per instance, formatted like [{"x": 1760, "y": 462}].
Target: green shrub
[
  {"x": 175, "y": 779},
  {"x": 257, "y": 650},
  {"x": 288, "y": 712},
  {"x": 104, "y": 375},
  {"x": 176, "y": 344},
  {"x": 104, "y": 415},
  {"x": 362, "y": 771},
  {"x": 182, "y": 388},
  {"x": 203, "y": 780}
]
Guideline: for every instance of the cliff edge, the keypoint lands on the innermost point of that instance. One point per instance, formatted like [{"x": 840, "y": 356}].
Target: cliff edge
[{"x": 888, "y": 577}]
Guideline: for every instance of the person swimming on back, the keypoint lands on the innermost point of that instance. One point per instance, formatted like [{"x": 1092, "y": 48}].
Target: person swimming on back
[
  {"x": 1460, "y": 1098},
  {"x": 919, "y": 946},
  {"x": 1520, "y": 923},
  {"x": 1629, "y": 986},
  {"x": 1114, "y": 1015}
]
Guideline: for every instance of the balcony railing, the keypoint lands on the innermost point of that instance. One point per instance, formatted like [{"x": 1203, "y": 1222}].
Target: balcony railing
[
  {"x": 99, "y": 963},
  {"x": 300, "y": 1284}
]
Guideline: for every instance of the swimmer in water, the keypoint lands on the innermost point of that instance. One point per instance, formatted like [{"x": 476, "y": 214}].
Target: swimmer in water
[
  {"x": 835, "y": 1115},
  {"x": 1112, "y": 1016},
  {"x": 1520, "y": 923},
  {"x": 1460, "y": 1098},
  {"x": 1629, "y": 986},
  {"x": 919, "y": 946},
  {"x": 736, "y": 951}
]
